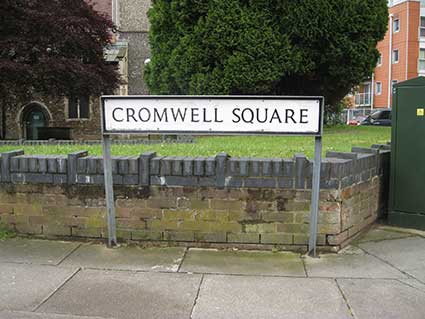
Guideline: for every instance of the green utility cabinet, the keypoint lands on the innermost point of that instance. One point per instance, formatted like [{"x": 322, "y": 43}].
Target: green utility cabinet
[{"x": 407, "y": 182}]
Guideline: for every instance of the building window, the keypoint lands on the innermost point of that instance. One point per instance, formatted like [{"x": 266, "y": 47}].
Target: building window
[
  {"x": 421, "y": 63},
  {"x": 422, "y": 28},
  {"x": 396, "y": 25},
  {"x": 395, "y": 56},
  {"x": 78, "y": 107},
  {"x": 379, "y": 60},
  {"x": 378, "y": 88}
]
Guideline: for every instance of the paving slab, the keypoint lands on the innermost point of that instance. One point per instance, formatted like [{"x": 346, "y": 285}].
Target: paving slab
[
  {"x": 377, "y": 299},
  {"x": 418, "y": 273},
  {"x": 21, "y": 250},
  {"x": 406, "y": 253},
  {"x": 350, "y": 263},
  {"x": 33, "y": 315},
  {"x": 126, "y": 258},
  {"x": 126, "y": 295},
  {"x": 414, "y": 283},
  {"x": 23, "y": 286},
  {"x": 243, "y": 263},
  {"x": 266, "y": 297},
  {"x": 378, "y": 234}
]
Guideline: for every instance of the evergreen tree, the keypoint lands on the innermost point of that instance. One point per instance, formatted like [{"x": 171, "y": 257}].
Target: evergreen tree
[{"x": 283, "y": 47}]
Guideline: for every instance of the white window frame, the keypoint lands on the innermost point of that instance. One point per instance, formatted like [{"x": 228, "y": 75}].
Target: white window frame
[
  {"x": 379, "y": 63},
  {"x": 394, "y": 61},
  {"x": 421, "y": 27},
  {"x": 421, "y": 60},
  {"x": 378, "y": 88},
  {"x": 395, "y": 30}
]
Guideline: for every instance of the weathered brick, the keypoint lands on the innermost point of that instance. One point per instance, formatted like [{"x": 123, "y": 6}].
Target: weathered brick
[
  {"x": 178, "y": 214},
  {"x": 293, "y": 228},
  {"x": 284, "y": 217},
  {"x": 330, "y": 206},
  {"x": 277, "y": 238},
  {"x": 329, "y": 229},
  {"x": 247, "y": 238},
  {"x": 146, "y": 235},
  {"x": 123, "y": 234},
  {"x": 261, "y": 228},
  {"x": 226, "y": 204},
  {"x": 231, "y": 227},
  {"x": 26, "y": 228},
  {"x": 159, "y": 225},
  {"x": 128, "y": 223},
  {"x": 329, "y": 217},
  {"x": 293, "y": 205},
  {"x": 52, "y": 229},
  {"x": 161, "y": 203},
  {"x": 337, "y": 239},
  {"x": 217, "y": 237},
  {"x": 146, "y": 213},
  {"x": 28, "y": 209},
  {"x": 304, "y": 239},
  {"x": 179, "y": 236},
  {"x": 89, "y": 232}
]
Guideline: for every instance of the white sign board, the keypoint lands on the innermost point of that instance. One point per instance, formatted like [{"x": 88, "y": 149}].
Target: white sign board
[{"x": 229, "y": 115}]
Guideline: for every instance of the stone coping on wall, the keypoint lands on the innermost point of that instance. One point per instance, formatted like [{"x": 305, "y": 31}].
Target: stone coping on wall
[{"x": 338, "y": 170}]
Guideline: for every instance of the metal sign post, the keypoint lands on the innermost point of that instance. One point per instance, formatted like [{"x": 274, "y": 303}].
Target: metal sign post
[
  {"x": 315, "y": 196},
  {"x": 109, "y": 190},
  {"x": 212, "y": 115}
]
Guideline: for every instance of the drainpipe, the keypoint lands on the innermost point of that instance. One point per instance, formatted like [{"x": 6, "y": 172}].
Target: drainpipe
[
  {"x": 372, "y": 92},
  {"x": 115, "y": 12},
  {"x": 407, "y": 40},
  {"x": 390, "y": 62}
]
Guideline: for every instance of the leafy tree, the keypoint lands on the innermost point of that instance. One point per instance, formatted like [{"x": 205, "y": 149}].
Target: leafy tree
[
  {"x": 284, "y": 47},
  {"x": 53, "y": 48}
]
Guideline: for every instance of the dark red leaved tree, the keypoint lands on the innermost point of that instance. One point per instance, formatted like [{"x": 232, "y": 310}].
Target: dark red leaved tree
[{"x": 55, "y": 48}]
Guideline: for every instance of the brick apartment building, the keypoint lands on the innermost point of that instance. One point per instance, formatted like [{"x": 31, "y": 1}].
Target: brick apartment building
[{"x": 402, "y": 54}]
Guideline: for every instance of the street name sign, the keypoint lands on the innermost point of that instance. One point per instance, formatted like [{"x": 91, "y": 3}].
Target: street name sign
[{"x": 212, "y": 115}]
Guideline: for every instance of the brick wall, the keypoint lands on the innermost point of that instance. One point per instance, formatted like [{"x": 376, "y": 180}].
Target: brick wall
[{"x": 216, "y": 202}]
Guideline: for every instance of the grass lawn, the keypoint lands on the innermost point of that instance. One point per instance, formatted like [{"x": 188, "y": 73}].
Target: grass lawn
[{"x": 340, "y": 138}]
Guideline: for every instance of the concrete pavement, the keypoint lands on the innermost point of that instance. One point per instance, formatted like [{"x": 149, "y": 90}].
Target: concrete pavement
[{"x": 382, "y": 275}]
